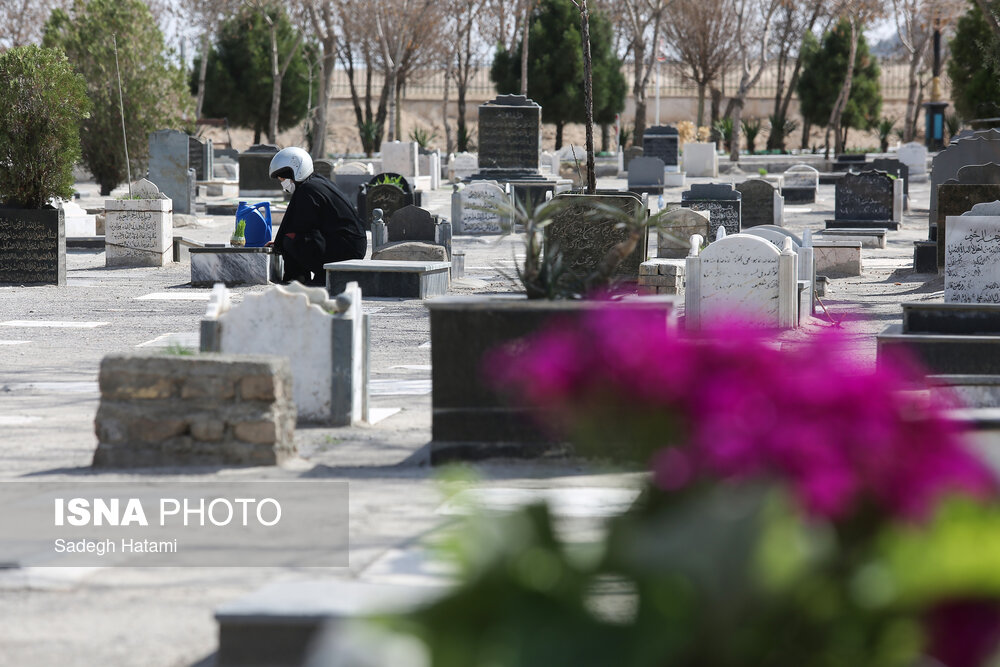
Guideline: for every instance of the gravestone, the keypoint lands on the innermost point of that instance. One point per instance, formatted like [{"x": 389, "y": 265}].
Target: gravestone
[
  {"x": 481, "y": 207},
  {"x": 353, "y": 168},
  {"x": 139, "y": 232},
  {"x": 645, "y": 175},
  {"x": 743, "y": 277},
  {"x": 255, "y": 177},
  {"x": 328, "y": 335},
  {"x": 700, "y": 159},
  {"x": 800, "y": 184},
  {"x": 412, "y": 223},
  {"x": 955, "y": 199},
  {"x": 169, "y": 169},
  {"x": 675, "y": 229},
  {"x": 631, "y": 153},
  {"x": 510, "y": 137},
  {"x": 893, "y": 167},
  {"x": 761, "y": 204},
  {"x": 386, "y": 196},
  {"x": 400, "y": 157},
  {"x": 981, "y": 148},
  {"x": 867, "y": 199},
  {"x": 661, "y": 141},
  {"x": 201, "y": 158},
  {"x": 721, "y": 200},
  {"x": 972, "y": 259},
  {"x": 776, "y": 236},
  {"x": 585, "y": 235},
  {"x": 463, "y": 165},
  {"x": 324, "y": 168},
  {"x": 349, "y": 177},
  {"x": 914, "y": 156},
  {"x": 78, "y": 222},
  {"x": 32, "y": 247},
  {"x": 551, "y": 163}
]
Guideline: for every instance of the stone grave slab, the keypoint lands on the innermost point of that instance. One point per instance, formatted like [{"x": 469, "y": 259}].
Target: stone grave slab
[
  {"x": 386, "y": 196},
  {"x": 32, "y": 247},
  {"x": 201, "y": 158},
  {"x": 701, "y": 159},
  {"x": 893, "y": 167},
  {"x": 631, "y": 153},
  {"x": 646, "y": 176},
  {"x": 169, "y": 153},
  {"x": 981, "y": 148},
  {"x": 328, "y": 336},
  {"x": 972, "y": 251},
  {"x": 742, "y": 276},
  {"x": 255, "y": 178},
  {"x": 675, "y": 229},
  {"x": 662, "y": 141},
  {"x": 400, "y": 157},
  {"x": 412, "y": 223},
  {"x": 463, "y": 165},
  {"x": 837, "y": 258},
  {"x": 914, "y": 156},
  {"x": 510, "y": 138},
  {"x": 231, "y": 266},
  {"x": 138, "y": 232},
  {"x": 585, "y": 236},
  {"x": 721, "y": 200},
  {"x": 481, "y": 207},
  {"x": 867, "y": 199},
  {"x": 761, "y": 204},
  {"x": 407, "y": 280},
  {"x": 954, "y": 199},
  {"x": 800, "y": 184}
]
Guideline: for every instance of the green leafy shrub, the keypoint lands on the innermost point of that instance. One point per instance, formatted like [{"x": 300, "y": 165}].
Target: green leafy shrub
[
  {"x": 751, "y": 128},
  {"x": 42, "y": 102},
  {"x": 422, "y": 137}
]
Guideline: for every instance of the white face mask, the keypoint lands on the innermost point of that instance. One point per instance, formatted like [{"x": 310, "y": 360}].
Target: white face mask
[{"x": 288, "y": 185}]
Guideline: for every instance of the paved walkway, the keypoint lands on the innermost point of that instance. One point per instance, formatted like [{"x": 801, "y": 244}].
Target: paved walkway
[{"x": 51, "y": 343}]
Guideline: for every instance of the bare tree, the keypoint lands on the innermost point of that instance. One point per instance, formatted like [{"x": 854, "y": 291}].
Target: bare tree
[
  {"x": 22, "y": 21},
  {"x": 794, "y": 21},
  {"x": 278, "y": 68},
  {"x": 915, "y": 21},
  {"x": 324, "y": 21},
  {"x": 642, "y": 22},
  {"x": 356, "y": 45},
  {"x": 858, "y": 14},
  {"x": 699, "y": 33},
  {"x": 753, "y": 33},
  {"x": 467, "y": 48},
  {"x": 203, "y": 17}
]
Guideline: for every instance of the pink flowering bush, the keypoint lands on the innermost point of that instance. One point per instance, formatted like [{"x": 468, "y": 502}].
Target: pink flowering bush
[{"x": 729, "y": 405}]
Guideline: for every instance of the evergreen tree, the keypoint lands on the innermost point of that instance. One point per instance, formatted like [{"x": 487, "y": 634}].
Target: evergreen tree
[
  {"x": 152, "y": 88},
  {"x": 238, "y": 83},
  {"x": 974, "y": 67},
  {"x": 555, "y": 67},
  {"x": 823, "y": 68}
]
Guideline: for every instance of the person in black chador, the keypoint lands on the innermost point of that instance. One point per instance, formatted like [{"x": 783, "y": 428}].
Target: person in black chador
[{"x": 319, "y": 226}]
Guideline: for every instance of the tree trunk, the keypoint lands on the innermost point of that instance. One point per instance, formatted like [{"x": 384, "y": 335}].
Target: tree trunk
[
  {"x": 845, "y": 92},
  {"x": 605, "y": 137},
  {"x": 588, "y": 97},
  {"x": 206, "y": 46},
  {"x": 272, "y": 128},
  {"x": 559, "y": 134},
  {"x": 449, "y": 141},
  {"x": 737, "y": 116},
  {"x": 639, "y": 92},
  {"x": 806, "y": 131},
  {"x": 716, "y": 103},
  {"x": 398, "y": 114},
  {"x": 256, "y": 134},
  {"x": 911, "y": 100},
  {"x": 322, "y": 111},
  {"x": 701, "y": 105},
  {"x": 524, "y": 47},
  {"x": 391, "y": 81},
  {"x": 463, "y": 131}
]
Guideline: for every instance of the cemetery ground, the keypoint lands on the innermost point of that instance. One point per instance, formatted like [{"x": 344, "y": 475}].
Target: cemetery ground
[{"x": 52, "y": 340}]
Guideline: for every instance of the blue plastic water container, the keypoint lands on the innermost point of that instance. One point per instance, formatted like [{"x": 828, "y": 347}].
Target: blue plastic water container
[{"x": 258, "y": 225}]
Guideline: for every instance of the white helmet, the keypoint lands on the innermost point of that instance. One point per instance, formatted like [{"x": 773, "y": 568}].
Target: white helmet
[{"x": 293, "y": 163}]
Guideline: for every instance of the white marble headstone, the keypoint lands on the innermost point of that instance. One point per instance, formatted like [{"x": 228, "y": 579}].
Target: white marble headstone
[
  {"x": 972, "y": 259},
  {"x": 462, "y": 165},
  {"x": 801, "y": 176},
  {"x": 400, "y": 157},
  {"x": 914, "y": 156},
  {"x": 479, "y": 208}
]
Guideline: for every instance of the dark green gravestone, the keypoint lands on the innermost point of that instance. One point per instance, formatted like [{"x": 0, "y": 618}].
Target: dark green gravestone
[
  {"x": 32, "y": 247},
  {"x": 956, "y": 199},
  {"x": 585, "y": 235}
]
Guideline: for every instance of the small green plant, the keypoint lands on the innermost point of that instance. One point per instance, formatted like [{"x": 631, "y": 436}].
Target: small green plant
[
  {"x": 422, "y": 137},
  {"x": 241, "y": 227},
  {"x": 751, "y": 128},
  {"x": 386, "y": 179},
  {"x": 723, "y": 131},
  {"x": 883, "y": 130},
  {"x": 179, "y": 350},
  {"x": 762, "y": 171},
  {"x": 953, "y": 123},
  {"x": 624, "y": 136},
  {"x": 370, "y": 132},
  {"x": 42, "y": 104}
]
